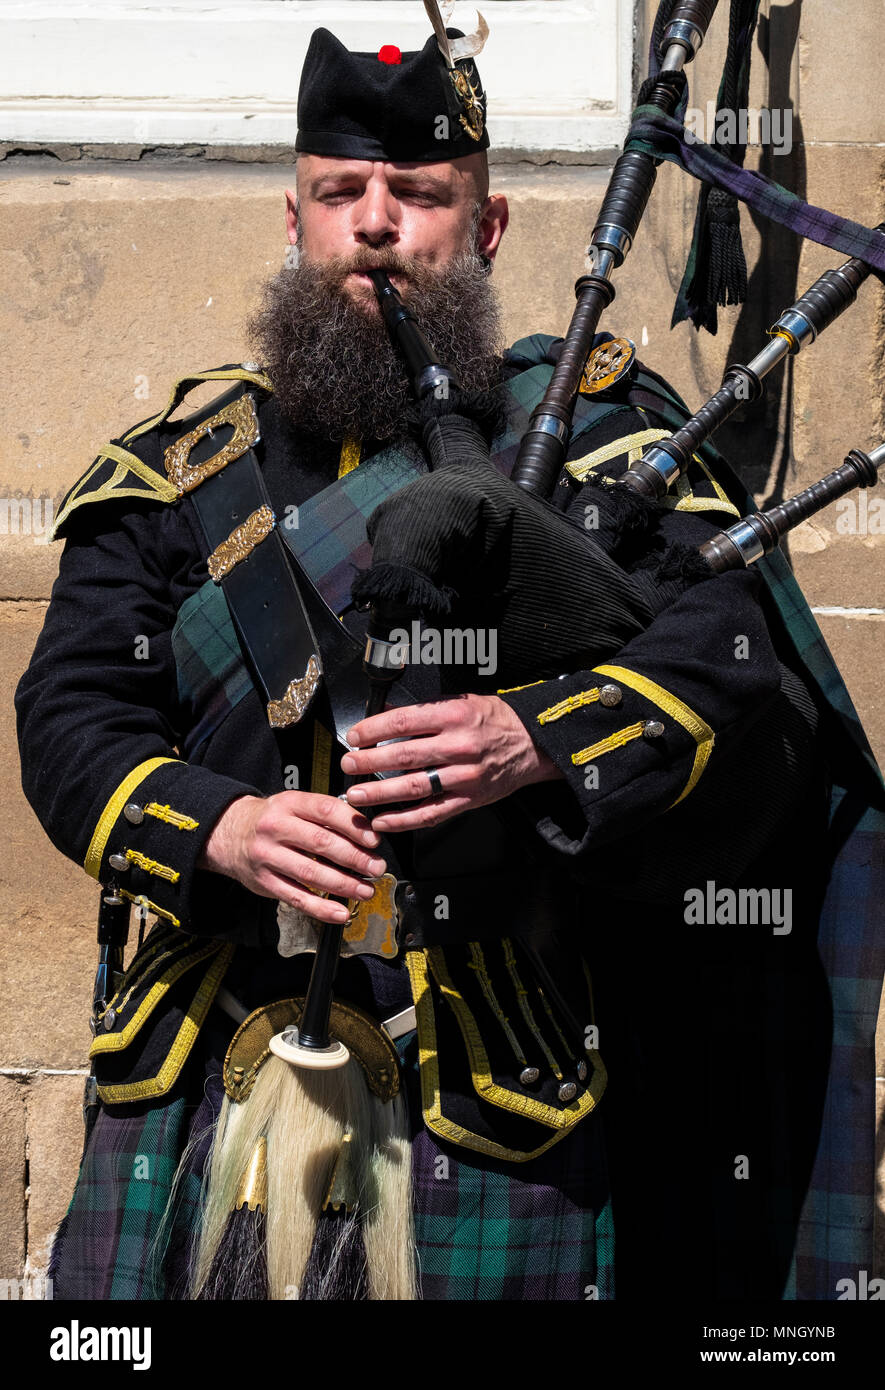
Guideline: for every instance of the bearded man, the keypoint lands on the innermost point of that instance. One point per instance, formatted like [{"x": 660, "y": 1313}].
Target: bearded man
[{"x": 166, "y": 746}]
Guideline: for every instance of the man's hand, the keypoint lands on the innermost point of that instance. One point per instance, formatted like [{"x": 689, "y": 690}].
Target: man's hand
[
  {"x": 476, "y": 743},
  {"x": 269, "y": 844}
]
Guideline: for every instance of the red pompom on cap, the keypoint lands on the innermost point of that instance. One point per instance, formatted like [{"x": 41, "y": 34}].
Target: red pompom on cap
[{"x": 389, "y": 53}]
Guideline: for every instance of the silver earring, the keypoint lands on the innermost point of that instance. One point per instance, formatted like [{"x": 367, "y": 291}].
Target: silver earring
[{"x": 292, "y": 258}]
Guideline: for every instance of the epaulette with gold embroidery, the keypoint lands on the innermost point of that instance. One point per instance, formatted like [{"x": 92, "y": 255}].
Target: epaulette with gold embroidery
[{"x": 119, "y": 472}]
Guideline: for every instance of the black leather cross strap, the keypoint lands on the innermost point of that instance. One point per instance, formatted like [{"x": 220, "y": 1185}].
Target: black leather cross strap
[{"x": 262, "y": 594}]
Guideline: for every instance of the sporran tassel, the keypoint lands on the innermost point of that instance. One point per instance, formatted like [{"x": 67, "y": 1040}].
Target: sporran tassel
[
  {"x": 239, "y": 1268},
  {"x": 336, "y": 1270}
]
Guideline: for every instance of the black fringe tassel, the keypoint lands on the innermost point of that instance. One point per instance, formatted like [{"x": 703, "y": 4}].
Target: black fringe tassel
[
  {"x": 727, "y": 274},
  {"x": 625, "y": 517},
  {"x": 239, "y": 1270},
  {"x": 402, "y": 584},
  {"x": 336, "y": 1269}
]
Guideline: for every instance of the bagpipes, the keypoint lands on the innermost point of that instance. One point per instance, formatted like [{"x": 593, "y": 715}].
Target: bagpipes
[{"x": 465, "y": 536}]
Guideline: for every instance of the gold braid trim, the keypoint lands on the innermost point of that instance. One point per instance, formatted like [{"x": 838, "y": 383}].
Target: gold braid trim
[
  {"x": 151, "y": 866},
  {"x": 526, "y": 1008},
  {"x": 428, "y": 1068},
  {"x": 608, "y": 745},
  {"x": 159, "y": 488},
  {"x": 351, "y": 448},
  {"x": 477, "y": 963},
  {"x": 480, "y": 1070},
  {"x": 179, "y": 1052},
  {"x": 183, "y": 386},
  {"x": 114, "y": 809},
  {"x": 699, "y": 729},
  {"x": 573, "y": 702},
  {"x": 152, "y": 907},
  {"x": 176, "y": 818},
  {"x": 512, "y": 689}
]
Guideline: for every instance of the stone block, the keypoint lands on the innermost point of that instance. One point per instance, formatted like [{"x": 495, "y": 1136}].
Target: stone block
[
  {"x": 55, "y": 1143},
  {"x": 543, "y": 251},
  {"x": 119, "y": 283},
  {"x": 12, "y": 1178},
  {"x": 839, "y": 381},
  {"x": 850, "y": 36},
  {"x": 839, "y": 570},
  {"x": 48, "y": 906}
]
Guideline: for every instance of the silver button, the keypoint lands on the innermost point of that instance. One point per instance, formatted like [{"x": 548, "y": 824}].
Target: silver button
[
  {"x": 251, "y": 367},
  {"x": 581, "y": 1069},
  {"x": 610, "y": 696},
  {"x": 133, "y": 813},
  {"x": 529, "y": 1075},
  {"x": 120, "y": 863},
  {"x": 567, "y": 1091},
  {"x": 653, "y": 728},
  {"x": 109, "y": 1019}
]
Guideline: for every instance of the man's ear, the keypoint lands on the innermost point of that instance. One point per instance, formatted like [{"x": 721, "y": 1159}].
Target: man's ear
[
  {"x": 291, "y": 216},
  {"x": 492, "y": 226}
]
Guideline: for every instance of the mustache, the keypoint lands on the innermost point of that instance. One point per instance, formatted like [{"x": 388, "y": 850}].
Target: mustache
[{"x": 334, "y": 272}]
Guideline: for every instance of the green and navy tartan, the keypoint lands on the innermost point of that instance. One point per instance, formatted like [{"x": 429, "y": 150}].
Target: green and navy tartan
[
  {"x": 211, "y": 674},
  {"x": 486, "y": 1233},
  {"x": 117, "y": 1240}
]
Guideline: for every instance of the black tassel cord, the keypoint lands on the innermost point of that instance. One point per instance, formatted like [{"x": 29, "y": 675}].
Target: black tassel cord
[{"x": 717, "y": 267}]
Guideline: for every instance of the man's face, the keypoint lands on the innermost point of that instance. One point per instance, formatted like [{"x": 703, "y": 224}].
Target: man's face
[
  {"x": 349, "y": 207},
  {"x": 319, "y": 331}
]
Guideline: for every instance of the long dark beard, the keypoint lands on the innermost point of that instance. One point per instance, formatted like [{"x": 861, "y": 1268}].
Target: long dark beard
[{"x": 331, "y": 361}]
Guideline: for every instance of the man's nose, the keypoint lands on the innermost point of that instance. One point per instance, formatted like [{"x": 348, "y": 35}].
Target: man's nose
[{"x": 375, "y": 221}]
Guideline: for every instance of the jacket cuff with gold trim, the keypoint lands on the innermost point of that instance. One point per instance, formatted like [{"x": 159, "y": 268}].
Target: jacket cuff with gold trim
[
  {"x": 152, "y": 831},
  {"x": 634, "y": 747},
  {"x": 634, "y": 737}
]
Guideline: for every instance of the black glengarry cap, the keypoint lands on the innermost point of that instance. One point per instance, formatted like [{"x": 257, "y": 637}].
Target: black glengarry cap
[{"x": 389, "y": 105}]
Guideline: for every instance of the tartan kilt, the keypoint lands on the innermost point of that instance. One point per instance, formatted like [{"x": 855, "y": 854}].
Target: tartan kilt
[{"x": 484, "y": 1230}]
